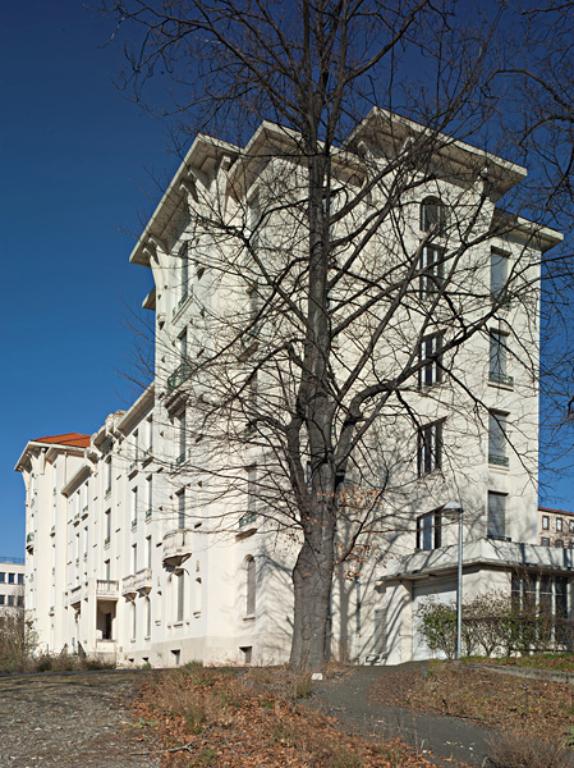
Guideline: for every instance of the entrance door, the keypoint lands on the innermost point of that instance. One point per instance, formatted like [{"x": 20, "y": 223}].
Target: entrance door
[{"x": 439, "y": 590}]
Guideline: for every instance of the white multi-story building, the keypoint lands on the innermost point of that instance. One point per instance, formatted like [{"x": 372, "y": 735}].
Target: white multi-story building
[
  {"x": 143, "y": 544},
  {"x": 11, "y": 585}
]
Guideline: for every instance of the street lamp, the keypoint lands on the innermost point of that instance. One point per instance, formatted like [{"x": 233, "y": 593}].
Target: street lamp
[{"x": 455, "y": 507}]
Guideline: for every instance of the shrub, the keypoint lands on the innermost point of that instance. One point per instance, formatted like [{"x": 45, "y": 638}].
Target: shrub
[
  {"x": 439, "y": 627},
  {"x": 17, "y": 643},
  {"x": 521, "y": 751}
]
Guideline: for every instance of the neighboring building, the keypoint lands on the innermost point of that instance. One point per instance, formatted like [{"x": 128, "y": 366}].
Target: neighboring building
[
  {"x": 127, "y": 552},
  {"x": 556, "y": 528},
  {"x": 11, "y": 585}
]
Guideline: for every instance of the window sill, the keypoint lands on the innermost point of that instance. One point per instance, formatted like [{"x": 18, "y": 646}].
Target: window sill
[
  {"x": 249, "y": 617},
  {"x": 177, "y": 624},
  {"x": 499, "y": 468},
  {"x": 500, "y": 385}
]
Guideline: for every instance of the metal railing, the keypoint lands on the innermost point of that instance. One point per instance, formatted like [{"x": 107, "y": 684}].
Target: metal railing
[
  {"x": 501, "y": 378},
  {"x": 179, "y": 376},
  {"x": 498, "y": 460}
]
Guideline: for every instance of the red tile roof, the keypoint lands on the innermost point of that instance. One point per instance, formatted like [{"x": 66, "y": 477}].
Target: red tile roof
[{"x": 74, "y": 439}]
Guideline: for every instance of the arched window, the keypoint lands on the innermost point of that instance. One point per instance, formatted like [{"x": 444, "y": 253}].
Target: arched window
[
  {"x": 432, "y": 215},
  {"x": 251, "y": 585}
]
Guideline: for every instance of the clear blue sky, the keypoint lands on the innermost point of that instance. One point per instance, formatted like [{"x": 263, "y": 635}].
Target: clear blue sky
[{"x": 79, "y": 169}]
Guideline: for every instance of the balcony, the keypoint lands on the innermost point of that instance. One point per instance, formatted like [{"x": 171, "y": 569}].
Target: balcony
[
  {"x": 75, "y": 595},
  {"x": 129, "y": 586},
  {"x": 143, "y": 580},
  {"x": 179, "y": 376},
  {"x": 176, "y": 547},
  {"x": 498, "y": 460},
  {"x": 106, "y": 589},
  {"x": 496, "y": 377}
]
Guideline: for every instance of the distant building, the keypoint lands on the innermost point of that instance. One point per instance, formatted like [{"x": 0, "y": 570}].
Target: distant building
[
  {"x": 556, "y": 527},
  {"x": 11, "y": 585}
]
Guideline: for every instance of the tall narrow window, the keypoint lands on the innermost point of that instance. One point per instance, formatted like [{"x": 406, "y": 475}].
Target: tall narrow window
[
  {"x": 134, "y": 620},
  {"x": 107, "y": 570},
  {"x": 498, "y": 273},
  {"x": 184, "y": 272},
  {"x": 251, "y": 586},
  {"x": 496, "y": 516},
  {"x": 498, "y": 358},
  {"x": 148, "y": 551},
  {"x": 431, "y": 271},
  {"x": 180, "y": 595},
  {"x": 108, "y": 526},
  {"x": 182, "y": 346},
  {"x": 134, "y": 507},
  {"x": 429, "y": 454},
  {"x": 181, "y": 437},
  {"x": 136, "y": 444},
  {"x": 147, "y": 604},
  {"x": 430, "y": 356},
  {"x": 108, "y": 476},
  {"x": 181, "y": 516},
  {"x": 149, "y": 496},
  {"x": 149, "y": 434},
  {"x": 250, "y": 514},
  {"x": 432, "y": 215},
  {"x": 134, "y": 558},
  {"x": 497, "y": 431}
]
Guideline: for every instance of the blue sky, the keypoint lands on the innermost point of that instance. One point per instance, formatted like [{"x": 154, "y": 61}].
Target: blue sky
[
  {"x": 80, "y": 166},
  {"x": 79, "y": 169}
]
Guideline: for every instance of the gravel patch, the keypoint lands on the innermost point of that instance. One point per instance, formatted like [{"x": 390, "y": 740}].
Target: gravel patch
[{"x": 70, "y": 720}]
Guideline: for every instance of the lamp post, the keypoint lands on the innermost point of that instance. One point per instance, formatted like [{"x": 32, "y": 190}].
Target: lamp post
[{"x": 455, "y": 507}]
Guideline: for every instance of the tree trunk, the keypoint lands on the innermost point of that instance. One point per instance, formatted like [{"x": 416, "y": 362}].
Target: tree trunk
[{"x": 312, "y": 582}]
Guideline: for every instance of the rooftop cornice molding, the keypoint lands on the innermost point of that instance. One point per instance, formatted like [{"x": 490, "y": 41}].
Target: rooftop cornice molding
[
  {"x": 527, "y": 232},
  {"x": 137, "y": 411},
  {"x": 79, "y": 476},
  {"x": 50, "y": 449}
]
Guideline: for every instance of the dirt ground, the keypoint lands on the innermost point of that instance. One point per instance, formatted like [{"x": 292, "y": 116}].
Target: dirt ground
[{"x": 71, "y": 719}]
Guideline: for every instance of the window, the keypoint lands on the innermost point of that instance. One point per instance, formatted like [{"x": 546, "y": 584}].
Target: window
[
  {"x": 2, "y": 599},
  {"x": 149, "y": 434},
  {"x": 559, "y": 544},
  {"x": 184, "y": 263},
  {"x": 148, "y": 551},
  {"x": 429, "y": 531},
  {"x": 136, "y": 443},
  {"x": 11, "y": 600},
  {"x": 107, "y": 570},
  {"x": 11, "y": 578},
  {"x": 251, "y": 513},
  {"x": 181, "y": 436},
  {"x": 432, "y": 215},
  {"x": 147, "y": 604},
  {"x": 545, "y": 523},
  {"x": 20, "y": 578},
  {"x": 496, "y": 516},
  {"x": 498, "y": 273},
  {"x": 134, "y": 620},
  {"x": 134, "y": 507},
  {"x": 545, "y": 541},
  {"x": 182, "y": 346},
  {"x": 251, "y": 585},
  {"x": 108, "y": 526},
  {"x": 134, "y": 558},
  {"x": 149, "y": 496},
  {"x": 108, "y": 477},
  {"x": 20, "y": 601},
  {"x": 571, "y": 526},
  {"x": 2, "y": 577},
  {"x": 498, "y": 358},
  {"x": 85, "y": 542},
  {"x": 430, "y": 357},
  {"x": 432, "y": 270},
  {"x": 497, "y": 430},
  {"x": 429, "y": 455},
  {"x": 180, "y": 595},
  {"x": 181, "y": 509},
  {"x": 559, "y": 524}
]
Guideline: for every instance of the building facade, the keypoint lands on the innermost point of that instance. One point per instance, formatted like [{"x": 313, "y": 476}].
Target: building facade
[
  {"x": 150, "y": 541},
  {"x": 11, "y": 585},
  {"x": 556, "y": 528}
]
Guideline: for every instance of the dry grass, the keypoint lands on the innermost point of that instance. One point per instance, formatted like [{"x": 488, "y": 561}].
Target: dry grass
[
  {"x": 232, "y": 719},
  {"x": 520, "y": 751},
  {"x": 504, "y": 702}
]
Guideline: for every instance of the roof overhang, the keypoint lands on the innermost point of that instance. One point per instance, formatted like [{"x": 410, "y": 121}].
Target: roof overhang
[
  {"x": 138, "y": 410},
  {"x": 50, "y": 449}
]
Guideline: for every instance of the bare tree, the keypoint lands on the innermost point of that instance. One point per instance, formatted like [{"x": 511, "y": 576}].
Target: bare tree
[{"x": 309, "y": 396}]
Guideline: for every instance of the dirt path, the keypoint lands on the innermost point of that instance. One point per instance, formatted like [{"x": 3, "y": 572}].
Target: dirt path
[
  {"x": 446, "y": 738},
  {"x": 70, "y": 720}
]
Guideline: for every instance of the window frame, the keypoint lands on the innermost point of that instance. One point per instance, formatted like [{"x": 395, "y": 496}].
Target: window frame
[
  {"x": 430, "y": 359},
  {"x": 429, "y": 447}
]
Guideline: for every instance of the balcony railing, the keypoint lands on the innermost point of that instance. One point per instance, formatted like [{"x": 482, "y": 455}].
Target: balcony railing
[
  {"x": 143, "y": 580},
  {"x": 498, "y": 460},
  {"x": 129, "y": 585},
  {"x": 179, "y": 376},
  {"x": 106, "y": 588},
  {"x": 501, "y": 378},
  {"x": 247, "y": 519}
]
